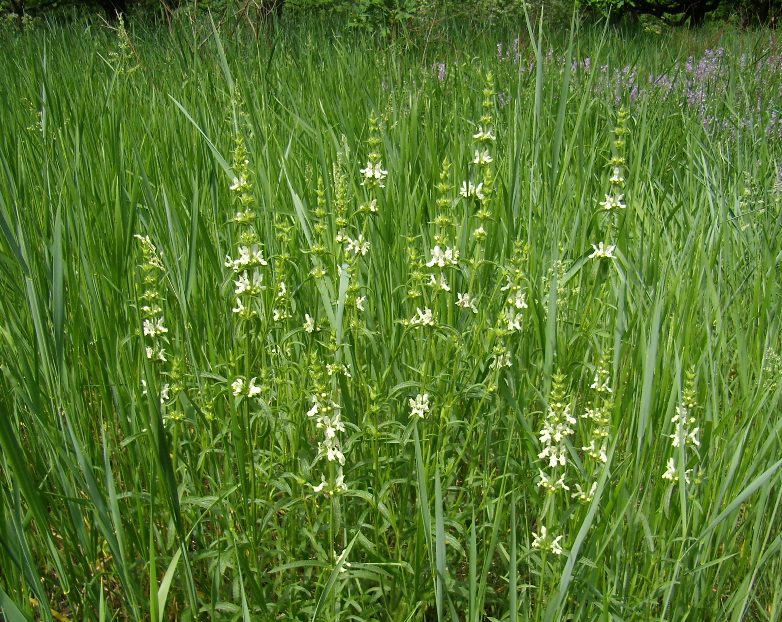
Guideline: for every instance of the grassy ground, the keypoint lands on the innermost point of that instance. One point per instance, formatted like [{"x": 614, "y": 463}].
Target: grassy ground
[{"x": 483, "y": 327}]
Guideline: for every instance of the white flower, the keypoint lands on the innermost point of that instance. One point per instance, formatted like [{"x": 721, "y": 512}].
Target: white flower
[
  {"x": 419, "y": 405},
  {"x": 617, "y": 178},
  {"x": 500, "y": 360},
  {"x": 603, "y": 251},
  {"x": 479, "y": 233},
  {"x": 248, "y": 257},
  {"x": 601, "y": 386},
  {"x": 441, "y": 257},
  {"x": 155, "y": 355},
  {"x": 282, "y": 289},
  {"x": 539, "y": 540},
  {"x": 613, "y": 202},
  {"x": 333, "y": 452},
  {"x": 555, "y": 546},
  {"x": 320, "y": 486},
  {"x": 423, "y": 318},
  {"x": 309, "y": 323},
  {"x": 542, "y": 542},
  {"x": 374, "y": 173},
  {"x": 238, "y": 386},
  {"x": 514, "y": 321},
  {"x": 239, "y": 308},
  {"x": 154, "y": 327},
  {"x": 244, "y": 285},
  {"x": 471, "y": 190},
  {"x": 482, "y": 157},
  {"x": 441, "y": 283},
  {"x": 359, "y": 246},
  {"x": 360, "y": 300},
  {"x": 584, "y": 496},
  {"x": 239, "y": 184},
  {"x": 484, "y": 134},
  {"x": 465, "y": 301},
  {"x": 370, "y": 207},
  {"x": 670, "y": 472},
  {"x": 253, "y": 389},
  {"x": 518, "y": 300}
]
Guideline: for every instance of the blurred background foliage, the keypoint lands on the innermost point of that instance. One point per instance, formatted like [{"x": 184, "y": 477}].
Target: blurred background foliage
[{"x": 389, "y": 17}]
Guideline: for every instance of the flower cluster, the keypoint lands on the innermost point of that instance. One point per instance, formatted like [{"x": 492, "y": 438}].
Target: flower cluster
[
  {"x": 557, "y": 428},
  {"x": 685, "y": 433},
  {"x": 153, "y": 324},
  {"x": 373, "y": 172},
  {"x": 543, "y": 541},
  {"x": 480, "y": 186},
  {"x": 514, "y": 291},
  {"x": 326, "y": 413},
  {"x": 249, "y": 259},
  {"x": 597, "y": 419},
  {"x": 419, "y": 405},
  {"x": 614, "y": 202}
]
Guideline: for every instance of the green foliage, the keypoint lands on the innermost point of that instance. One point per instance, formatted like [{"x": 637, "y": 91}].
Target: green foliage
[{"x": 328, "y": 326}]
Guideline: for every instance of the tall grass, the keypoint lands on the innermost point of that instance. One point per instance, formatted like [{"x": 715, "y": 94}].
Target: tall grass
[{"x": 141, "y": 488}]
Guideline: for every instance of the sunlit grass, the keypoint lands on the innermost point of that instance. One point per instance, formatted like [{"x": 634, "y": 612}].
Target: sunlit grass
[{"x": 468, "y": 346}]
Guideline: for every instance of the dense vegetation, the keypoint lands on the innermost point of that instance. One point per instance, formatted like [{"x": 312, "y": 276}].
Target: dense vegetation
[
  {"x": 382, "y": 14},
  {"x": 466, "y": 326}
]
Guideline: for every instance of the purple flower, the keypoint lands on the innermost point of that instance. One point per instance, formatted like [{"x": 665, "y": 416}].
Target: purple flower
[{"x": 440, "y": 69}]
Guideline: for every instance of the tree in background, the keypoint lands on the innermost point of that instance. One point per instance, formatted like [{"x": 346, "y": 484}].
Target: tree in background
[{"x": 393, "y": 15}]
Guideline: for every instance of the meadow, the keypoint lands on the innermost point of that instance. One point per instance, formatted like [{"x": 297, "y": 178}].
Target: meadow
[{"x": 476, "y": 324}]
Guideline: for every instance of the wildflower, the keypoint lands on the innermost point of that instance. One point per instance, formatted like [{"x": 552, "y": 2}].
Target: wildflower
[
  {"x": 684, "y": 435},
  {"x": 320, "y": 486},
  {"x": 243, "y": 285},
  {"x": 471, "y": 190},
  {"x": 672, "y": 473},
  {"x": 253, "y": 390},
  {"x": 240, "y": 184},
  {"x": 500, "y": 359},
  {"x": 480, "y": 233},
  {"x": 359, "y": 302},
  {"x": 154, "y": 327},
  {"x": 617, "y": 179},
  {"x": 423, "y": 318},
  {"x": 584, "y": 496},
  {"x": 154, "y": 354},
  {"x": 440, "y": 283},
  {"x": 419, "y": 405},
  {"x": 601, "y": 385},
  {"x": 484, "y": 134},
  {"x": 518, "y": 300},
  {"x": 613, "y": 202},
  {"x": 309, "y": 323},
  {"x": 601, "y": 251},
  {"x": 549, "y": 484},
  {"x": 514, "y": 321},
  {"x": 238, "y": 386},
  {"x": 482, "y": 157},
  {"x": 465, "y": 301},
  {"x": 374, "y": 173},
  {"x": 543, "y": 542},
  {"x": 359, "y": 246},
  {"x": 442, "y": 257}
]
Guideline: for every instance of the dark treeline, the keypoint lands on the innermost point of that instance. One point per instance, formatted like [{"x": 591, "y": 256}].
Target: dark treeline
[{"x": 692, "y": 13}]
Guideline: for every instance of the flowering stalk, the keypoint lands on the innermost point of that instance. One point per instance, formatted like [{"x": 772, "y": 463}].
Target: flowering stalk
[
  {"x": 685, "y": 437},
  {"x": 614, "y": 201},
  {"x": 597, "y": 419}
]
